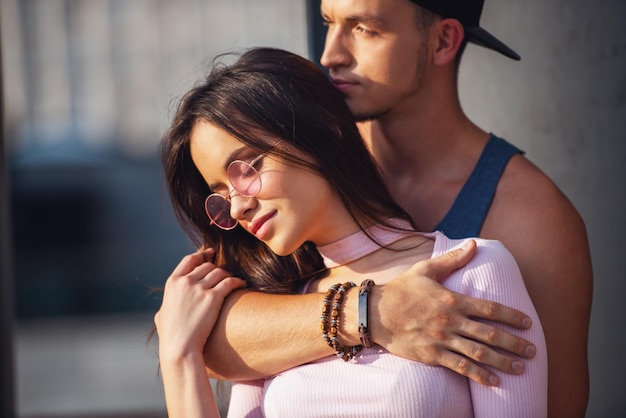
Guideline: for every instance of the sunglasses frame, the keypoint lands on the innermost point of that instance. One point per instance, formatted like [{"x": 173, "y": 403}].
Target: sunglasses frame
[{"x": 227, "y": 199}]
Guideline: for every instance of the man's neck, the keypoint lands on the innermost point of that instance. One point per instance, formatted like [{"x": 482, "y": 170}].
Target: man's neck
[
  {"x": 419, "y": 141},
  {"x": 426, "y": 154}
]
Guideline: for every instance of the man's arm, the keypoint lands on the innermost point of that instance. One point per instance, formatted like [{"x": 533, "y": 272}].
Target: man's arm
[
  {"x": 261, "y": 334},
  {"x": 258, "y": 335}
]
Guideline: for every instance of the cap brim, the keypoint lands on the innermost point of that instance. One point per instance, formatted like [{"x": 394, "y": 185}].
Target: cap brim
[{"x": 480, "y": 36}]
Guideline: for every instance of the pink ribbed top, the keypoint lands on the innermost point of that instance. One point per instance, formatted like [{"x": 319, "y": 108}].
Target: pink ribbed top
[{"x": 379, "y": 384}]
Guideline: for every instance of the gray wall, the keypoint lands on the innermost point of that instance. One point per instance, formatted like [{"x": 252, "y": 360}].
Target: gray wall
[{"x": 565, "y": 105}]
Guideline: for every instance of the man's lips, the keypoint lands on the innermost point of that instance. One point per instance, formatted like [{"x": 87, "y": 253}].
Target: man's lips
[
  {"x": 341, "y": 84},
  {"x": 257, "y": 223}
]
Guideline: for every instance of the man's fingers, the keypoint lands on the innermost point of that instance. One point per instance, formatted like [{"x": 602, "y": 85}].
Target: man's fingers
[
  {"x": 494, "y": 311},
  {"x": 439, "y": 267},
  {"x": 478, "y": 332},
  {"x": 469, "y": 369},
  {"x": 484, "y": 355}
]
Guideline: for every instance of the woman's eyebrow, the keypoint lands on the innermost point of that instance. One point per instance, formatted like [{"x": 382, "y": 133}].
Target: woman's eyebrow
[{"x": 235, "y": 155}]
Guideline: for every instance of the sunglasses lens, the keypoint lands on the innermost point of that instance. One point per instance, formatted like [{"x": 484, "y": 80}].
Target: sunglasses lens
[
  {"x": 218, "y": 210},
  {"x": 244, "y": 178}
]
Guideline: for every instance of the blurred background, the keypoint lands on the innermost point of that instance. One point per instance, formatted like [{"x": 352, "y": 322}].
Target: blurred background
[{"x": 88, "y": 232}]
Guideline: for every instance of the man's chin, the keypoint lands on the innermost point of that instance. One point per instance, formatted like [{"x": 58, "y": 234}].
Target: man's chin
[
  {"x": 365, "y": 117},
  {"x": 362, "y": 114}
]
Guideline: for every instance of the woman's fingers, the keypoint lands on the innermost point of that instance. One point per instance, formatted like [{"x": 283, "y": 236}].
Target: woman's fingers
[{"x": 191, "y": 261}]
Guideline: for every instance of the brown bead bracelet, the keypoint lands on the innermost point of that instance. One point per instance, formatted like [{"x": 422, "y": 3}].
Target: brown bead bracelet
[
  {"x": 330, "y": 295},
  {"x": 330, "y": 324}
]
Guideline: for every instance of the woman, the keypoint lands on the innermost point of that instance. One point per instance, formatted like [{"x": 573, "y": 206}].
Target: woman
[{"x": 269, "y": 151}]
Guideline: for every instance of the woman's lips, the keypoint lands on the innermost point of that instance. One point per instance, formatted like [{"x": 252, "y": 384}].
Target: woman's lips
[{"x": 257, "y": 224}]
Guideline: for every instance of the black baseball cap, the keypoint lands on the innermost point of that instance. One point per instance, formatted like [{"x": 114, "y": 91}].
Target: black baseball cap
[{"x": 468, "y": 13}]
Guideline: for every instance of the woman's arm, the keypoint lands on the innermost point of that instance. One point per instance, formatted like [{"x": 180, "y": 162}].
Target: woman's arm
[
  {"x": 192, "y": 299},
  {"x": 188, "y": 392},
  {"x": 258, "y": 335},
  {"x": 494, "y": 274}
]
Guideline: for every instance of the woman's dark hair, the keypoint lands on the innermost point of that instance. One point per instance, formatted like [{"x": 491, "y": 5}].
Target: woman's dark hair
[{"x": 270, "y": 95}]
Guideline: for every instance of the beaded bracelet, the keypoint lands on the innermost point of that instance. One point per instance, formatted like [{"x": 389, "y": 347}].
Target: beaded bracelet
[
  {"x": 326, "y": 311},
  {"x": 330, "y": 328},
  {"x": 364, "y": 332}
]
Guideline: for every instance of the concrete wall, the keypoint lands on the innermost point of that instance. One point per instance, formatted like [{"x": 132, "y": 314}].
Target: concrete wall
[{"x": 565, "y": 105}]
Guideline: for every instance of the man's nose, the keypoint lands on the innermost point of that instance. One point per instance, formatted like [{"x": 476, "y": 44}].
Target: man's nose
[{"x": 336, "y": 52}]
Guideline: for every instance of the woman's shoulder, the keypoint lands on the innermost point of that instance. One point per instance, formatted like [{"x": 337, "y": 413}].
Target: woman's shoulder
[
  {"x": 486, "y": 247},
  {"x": 492, "y": 269}
]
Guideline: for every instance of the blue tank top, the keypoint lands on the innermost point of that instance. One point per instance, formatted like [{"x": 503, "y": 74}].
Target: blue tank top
[{"x": 467, "y": 215}]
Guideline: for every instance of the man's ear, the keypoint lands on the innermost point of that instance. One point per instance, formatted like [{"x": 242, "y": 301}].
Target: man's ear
[{"x": 450, "y": 35}]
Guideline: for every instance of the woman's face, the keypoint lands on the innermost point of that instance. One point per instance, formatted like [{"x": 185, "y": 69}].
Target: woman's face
[{"x": 294, "y": 205}]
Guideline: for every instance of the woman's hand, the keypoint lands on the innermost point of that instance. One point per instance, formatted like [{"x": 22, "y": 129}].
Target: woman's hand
[{"x": 192, "y": 300}]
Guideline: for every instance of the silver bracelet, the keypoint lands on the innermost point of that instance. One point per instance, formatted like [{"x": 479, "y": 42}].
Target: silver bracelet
[{"x": 364, "y": 332}]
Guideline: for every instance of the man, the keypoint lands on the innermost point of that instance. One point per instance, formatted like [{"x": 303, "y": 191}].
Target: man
[{"x": 396, "y": 61}]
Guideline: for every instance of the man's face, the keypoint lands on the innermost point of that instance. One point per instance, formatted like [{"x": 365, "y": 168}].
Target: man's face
[{"x": 375, "y": 54}]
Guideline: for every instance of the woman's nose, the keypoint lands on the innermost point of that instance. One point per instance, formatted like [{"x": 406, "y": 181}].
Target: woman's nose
[{"x": 240, "y": 204}]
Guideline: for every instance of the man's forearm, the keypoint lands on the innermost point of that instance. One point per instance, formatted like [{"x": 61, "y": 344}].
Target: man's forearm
[{"x": 259, "y": 334}]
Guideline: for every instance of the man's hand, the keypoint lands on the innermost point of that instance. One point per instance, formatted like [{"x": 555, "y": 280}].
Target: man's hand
[{"x": 415, "y": 317}]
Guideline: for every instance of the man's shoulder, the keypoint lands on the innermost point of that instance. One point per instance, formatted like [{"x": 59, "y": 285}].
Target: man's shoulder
[
  {"x": 524, "y": 184},
  {"x": 526, "y": 199}
]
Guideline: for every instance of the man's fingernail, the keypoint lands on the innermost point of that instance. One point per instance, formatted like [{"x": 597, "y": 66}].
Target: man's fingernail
[
  {"x": 527, "y": 322},
  {"x": 531, "y": 351},
  {"x": 517, "y": 366},
  {"x": 493, "y": 380}
]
